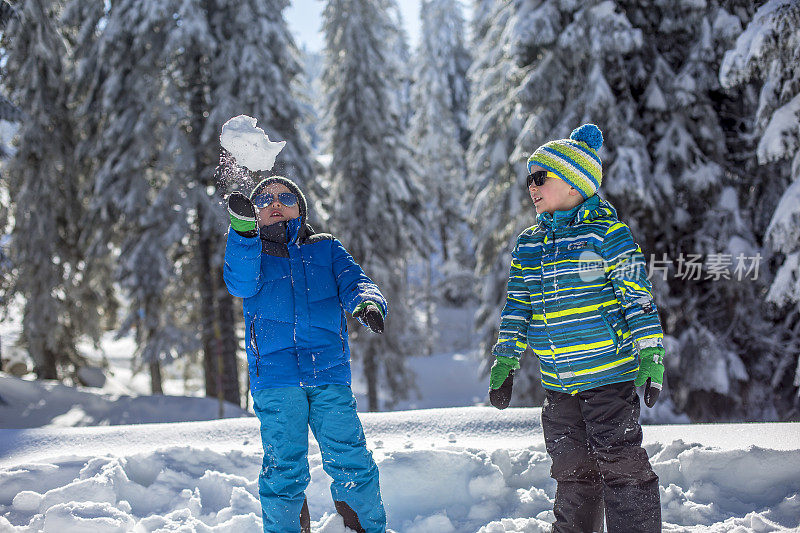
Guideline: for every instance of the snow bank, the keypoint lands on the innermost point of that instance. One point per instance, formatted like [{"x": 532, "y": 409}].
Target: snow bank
[
  {"x": 249, "y": 145},
  {"x": 460, "y": 470},
  {"x": 27, "y": 404}
]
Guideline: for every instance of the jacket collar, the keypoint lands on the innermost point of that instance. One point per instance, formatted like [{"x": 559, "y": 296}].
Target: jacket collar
[
  {"x": 593, "y": 208},
  {"x": 276, "y": 238}
]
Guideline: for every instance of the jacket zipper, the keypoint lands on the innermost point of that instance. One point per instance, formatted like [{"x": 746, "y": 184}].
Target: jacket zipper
[
  {"x": 342, "y": 329},
  {"x": 253, "y": 342}
]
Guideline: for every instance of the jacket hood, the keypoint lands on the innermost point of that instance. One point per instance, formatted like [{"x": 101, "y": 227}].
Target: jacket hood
[{"x": 595, "y": 208}]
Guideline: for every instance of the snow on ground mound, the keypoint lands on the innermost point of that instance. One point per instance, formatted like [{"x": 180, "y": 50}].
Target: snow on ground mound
[
  {"x": 26, "y": 404},
  {"x": 249, "y": 145},
  {"x": 461, "y": 470}
]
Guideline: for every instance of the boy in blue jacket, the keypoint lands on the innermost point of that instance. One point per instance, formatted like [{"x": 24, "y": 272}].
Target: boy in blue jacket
[
  {"x": 297, "y": 287},
  {"x": 579, "y": 296}
]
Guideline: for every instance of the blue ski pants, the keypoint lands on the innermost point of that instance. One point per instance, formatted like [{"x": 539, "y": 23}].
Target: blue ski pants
[{"x": 285, "y": 414}]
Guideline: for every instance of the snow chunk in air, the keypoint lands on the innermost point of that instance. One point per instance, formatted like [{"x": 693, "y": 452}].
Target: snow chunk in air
[{"x": 249, "y": 145}]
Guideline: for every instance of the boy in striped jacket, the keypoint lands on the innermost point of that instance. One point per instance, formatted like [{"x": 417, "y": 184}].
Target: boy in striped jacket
[{"x": 579, "y": 296}]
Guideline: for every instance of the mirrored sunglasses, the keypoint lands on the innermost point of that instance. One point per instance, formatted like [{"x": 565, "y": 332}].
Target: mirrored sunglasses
[{"x": 286, "y": 198}]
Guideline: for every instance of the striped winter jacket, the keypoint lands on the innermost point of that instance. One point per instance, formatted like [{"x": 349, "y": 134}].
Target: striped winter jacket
[{"x": 579, "y": 296}]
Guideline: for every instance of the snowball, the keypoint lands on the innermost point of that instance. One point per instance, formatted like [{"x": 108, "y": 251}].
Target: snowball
[{"x": 249, "y": 145}]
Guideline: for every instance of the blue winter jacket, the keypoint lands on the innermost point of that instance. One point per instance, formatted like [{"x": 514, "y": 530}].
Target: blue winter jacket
[{"x": 295, "y": 305}]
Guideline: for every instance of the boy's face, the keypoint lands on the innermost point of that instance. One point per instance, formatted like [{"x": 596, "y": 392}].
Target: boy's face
[
  {"x": 553, "y": 195},
  {"x": 276, "y": 211}
]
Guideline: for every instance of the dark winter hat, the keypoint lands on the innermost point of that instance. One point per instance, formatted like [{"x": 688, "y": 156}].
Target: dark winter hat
[
  {"x": 289, "y": 184},
  {"x": 574, "y": 160}
]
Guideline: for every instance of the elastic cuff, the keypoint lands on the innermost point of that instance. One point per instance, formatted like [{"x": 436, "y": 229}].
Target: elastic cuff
[
  {"x": 654, "y": 342},
  {"x": 367, "y": 303},
  {"x": 247, "y": 234}
]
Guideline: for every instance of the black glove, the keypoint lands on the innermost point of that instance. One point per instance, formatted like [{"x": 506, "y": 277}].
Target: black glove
[
  {"x": 651, "y": 392},
  {"x": 243, "y": 215},
  {"x": 501, "y": 396},
  {"x": 371, "y": 315}
]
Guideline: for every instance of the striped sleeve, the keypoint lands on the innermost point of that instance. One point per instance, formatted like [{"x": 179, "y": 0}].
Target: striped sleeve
[
  {"x": 516, "y": 314},
  {"x": 627, "y": 270}
]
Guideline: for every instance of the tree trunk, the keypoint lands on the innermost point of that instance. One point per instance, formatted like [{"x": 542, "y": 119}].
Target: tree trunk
[
  {"x": 443, "y": 237},
  {"x": 44, "y": 360},
  {"x": 210, "y": 368},
  {"x": 371, "y": 376},
  {"x": 218, "y": 328},
  {"x": 218, "y": 325},
  {"x": 227, "y": 326},
  {"x": 429, "y": 309},
  {"x": 156, "y": 380}
]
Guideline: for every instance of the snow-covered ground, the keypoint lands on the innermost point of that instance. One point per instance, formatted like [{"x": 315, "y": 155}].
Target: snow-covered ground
[
  {"x": 113, "y": 459},
  {"x": 29, "y": 404},
  {"x": 469, "y": 469}
]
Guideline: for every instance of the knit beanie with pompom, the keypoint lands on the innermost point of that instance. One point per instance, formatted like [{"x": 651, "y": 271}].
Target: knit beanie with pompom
[{"x": 574, "y": 160}]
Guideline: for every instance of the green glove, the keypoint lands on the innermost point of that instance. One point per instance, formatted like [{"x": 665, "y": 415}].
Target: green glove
[
  {"x": 651, "y": 365},
  {"x": 651, "y": 373},
  {"x": 243, "y": 215},
  {"x": 500, "y": 369}
]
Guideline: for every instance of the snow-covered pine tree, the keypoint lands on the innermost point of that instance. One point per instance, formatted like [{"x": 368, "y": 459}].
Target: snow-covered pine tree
[
  {"x": 313, "y": 64},
  {"x": 253, "y": 68},
  {"x": 193, "y": 46},
  {"x": 493, "y": 179},
  {"x": 555, "y": 58},
  {"x": 43, "y": 189},
  {"x": 496, "y": 182},
  {"x": 377, "y": 201},
  {"x": 165, "y": 77},
  {"x": 439, "y": 134},
  {"x": 9, "y": 116},
  {"x": 400, "y": 49},
  {"x": 590, "y": 62},
  {"x": 79, "y": 25},
  {"x": 724, "y": 353},
  {"x": 768, "y": 52},
  {"x": 256, "y": 71},
  {"x": 137, "y": 213},
  {"x": 310, "y": 99}
]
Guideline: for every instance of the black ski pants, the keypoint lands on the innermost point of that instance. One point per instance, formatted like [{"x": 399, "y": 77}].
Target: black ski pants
[{"x": 595, "y": 441}]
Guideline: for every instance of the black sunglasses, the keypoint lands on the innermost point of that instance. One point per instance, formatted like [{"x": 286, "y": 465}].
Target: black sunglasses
[
  {"x": 537, "y": 177},
  {"x": 263, "y": 200}
]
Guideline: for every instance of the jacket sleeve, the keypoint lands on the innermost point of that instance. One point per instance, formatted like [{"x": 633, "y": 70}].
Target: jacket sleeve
[
  {"x": 353, "y": 284},
  {"x": 516, "y": 314},
  {"x": 242, "y": 270},
  {"x": 627, "y": 270}
]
